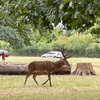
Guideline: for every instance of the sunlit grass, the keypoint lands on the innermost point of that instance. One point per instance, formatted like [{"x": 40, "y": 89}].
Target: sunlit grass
[
  {"x": 82, "y": 59},
  {"x": 65, "y": 87},
  {"x": 73, "y": 61},
  {"x": 23, "y": 59}
]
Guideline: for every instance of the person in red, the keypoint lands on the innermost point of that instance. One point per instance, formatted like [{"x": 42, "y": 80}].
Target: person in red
[{"x": 3, "y": 58}]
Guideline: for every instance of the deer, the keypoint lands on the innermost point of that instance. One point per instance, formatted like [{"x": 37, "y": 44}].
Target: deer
[{"x": 48, "y": 67}]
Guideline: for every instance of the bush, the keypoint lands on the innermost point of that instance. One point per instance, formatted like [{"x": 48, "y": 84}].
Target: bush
[
  {"x": 93, "y": 50},
  {"x": 95, "y": 30},
  {"x": 34, "y": 50},
  {"x": 5, "y": 46},
  {"x": 76, "y": 44}
]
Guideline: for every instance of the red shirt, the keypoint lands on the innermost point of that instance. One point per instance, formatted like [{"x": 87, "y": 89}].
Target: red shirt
[{"x": 3, "y": 55}]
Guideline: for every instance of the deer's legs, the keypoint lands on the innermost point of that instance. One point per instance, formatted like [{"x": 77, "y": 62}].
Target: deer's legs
[
  {"x": 28, "y": 74},
  {"x": 49, "y": 79},
  {"x": 27, "y": 77},
  {"x": 34, "y": 77},
  {"x": 45, "y": 81}
]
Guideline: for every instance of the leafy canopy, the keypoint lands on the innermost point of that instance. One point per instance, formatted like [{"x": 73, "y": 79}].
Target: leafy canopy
[
  {"x": 41, "y": 13},
  {"x": 24, "y": 15}
]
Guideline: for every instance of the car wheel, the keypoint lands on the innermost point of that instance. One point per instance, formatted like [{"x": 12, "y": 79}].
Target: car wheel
[{"x": 55, "y": 57}]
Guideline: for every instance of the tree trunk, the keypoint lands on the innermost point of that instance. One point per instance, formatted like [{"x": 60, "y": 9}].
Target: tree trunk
[
  {"x": 20, "y": 69},
  {"x": 84, "y": 69},
  {"x": 14, "y": 69}
]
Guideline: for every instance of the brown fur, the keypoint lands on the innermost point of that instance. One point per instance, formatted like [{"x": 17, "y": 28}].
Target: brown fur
[{"x": 45, "y": 66}]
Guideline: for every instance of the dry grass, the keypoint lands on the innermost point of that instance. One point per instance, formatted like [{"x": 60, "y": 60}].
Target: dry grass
[{"x": 65, "y": 87}]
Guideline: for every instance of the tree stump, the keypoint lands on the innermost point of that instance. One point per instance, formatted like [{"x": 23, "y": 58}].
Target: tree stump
[{"x": 84, "y": 69}]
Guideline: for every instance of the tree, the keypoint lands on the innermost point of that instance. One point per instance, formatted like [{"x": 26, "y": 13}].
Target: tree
[
  {"x": 40, "y": 14},
  {"x": 11, "y": 36}
]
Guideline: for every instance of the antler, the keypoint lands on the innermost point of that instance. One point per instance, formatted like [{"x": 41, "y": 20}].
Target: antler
[
  {"x": 62, "y": 51},
  {"x": 63, "y": 54}
]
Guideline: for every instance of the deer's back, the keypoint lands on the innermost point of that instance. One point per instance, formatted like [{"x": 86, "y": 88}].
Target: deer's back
[{"x": 41, "y": 66}]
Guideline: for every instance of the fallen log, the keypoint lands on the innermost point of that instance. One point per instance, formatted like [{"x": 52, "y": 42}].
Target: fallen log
[
  {"x": 21, "y": 69},
  {"x": 15, "y": 69}
]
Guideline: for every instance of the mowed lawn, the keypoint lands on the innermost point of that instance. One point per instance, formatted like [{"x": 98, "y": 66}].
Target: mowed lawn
[{"x": 65, "y": 87}]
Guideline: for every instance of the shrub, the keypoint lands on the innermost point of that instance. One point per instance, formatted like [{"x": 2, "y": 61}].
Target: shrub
[
  {"x": 6, "y": 46},
  {"x": 78, "y": 43},
  {"x": 93, "y": 50},
  {"x": 34, "y": 50},
  {"x": 95, "y": 30},
  {"x": 75, "y": 44}
]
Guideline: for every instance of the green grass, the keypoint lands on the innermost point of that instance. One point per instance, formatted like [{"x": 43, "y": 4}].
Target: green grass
[
  {"x": 65, "y": 87},
  {"x": 23, "y": 59}
]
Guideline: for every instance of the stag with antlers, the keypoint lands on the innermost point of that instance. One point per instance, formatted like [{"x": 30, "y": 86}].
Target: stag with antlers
[{"x": 48, "y": 67}]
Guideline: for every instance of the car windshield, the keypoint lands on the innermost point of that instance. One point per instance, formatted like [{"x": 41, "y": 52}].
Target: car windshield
[{"x": 51, "y": 52}]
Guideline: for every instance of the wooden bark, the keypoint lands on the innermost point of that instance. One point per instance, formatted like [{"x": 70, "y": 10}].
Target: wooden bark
[
  {"x": 19, "y": 69},
  {"x": 84, "y": 69},
  {"x": 10, "y": 69}
]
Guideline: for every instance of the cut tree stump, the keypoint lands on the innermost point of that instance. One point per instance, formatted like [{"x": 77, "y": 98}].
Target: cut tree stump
[
  {"x": 84, "y": 69},
  {"x": 21, "y": 69}
]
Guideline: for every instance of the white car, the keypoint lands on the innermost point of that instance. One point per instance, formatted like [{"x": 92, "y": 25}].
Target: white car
[{"x": 53, "y": 54}]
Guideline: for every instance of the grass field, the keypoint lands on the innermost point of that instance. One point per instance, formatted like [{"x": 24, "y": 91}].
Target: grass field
[{"x": 65, "y": 87}]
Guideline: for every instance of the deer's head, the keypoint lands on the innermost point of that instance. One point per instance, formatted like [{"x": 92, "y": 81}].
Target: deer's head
[{"x": 64, "y": 60}]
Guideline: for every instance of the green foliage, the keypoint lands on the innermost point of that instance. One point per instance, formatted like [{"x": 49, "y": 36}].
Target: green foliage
[
  {"x": 11, "y": 36},
  {"x": 78, "y": 43},
  {"x": 40, "y": 38},
  {"x": 95, "y": 30},
  {"x": 56, "y": 32},
  {"x": 70, "y": 32},
  {"x": 6, "y": 46},
  {"x": 21, "y": 19},
  {"x": 41, "y": 13},
  {"x": 75, "y": 44},
  {"x": 93, "y": 49},
  {"x": 59, "y": 44},
  {"x": 34, "y": 50},
  {"x": 28, "y": 51}
]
